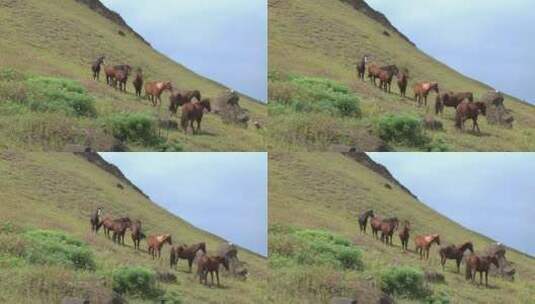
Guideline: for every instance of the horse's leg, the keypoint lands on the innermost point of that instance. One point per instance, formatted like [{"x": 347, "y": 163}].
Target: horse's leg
[
  {"x": 481, "y": 278},
  {"x": 486, "y": 279},
  {"x": 459, "y": 265},
  {"x": 192, "y": 128},
  {"x": 190, "y": 262},
  {"x": 217, "y": 276}
]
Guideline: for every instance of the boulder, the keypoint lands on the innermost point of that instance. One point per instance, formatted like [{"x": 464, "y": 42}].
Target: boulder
[
  {"x": 506, "y": 270},
  {"x": 434, "y": 277},
  {"x": 227, "y": 106},
  {"x": 429, "y": 122},
  {"x": 165, "y": 277},
  {"x": 497, "y": 114}
]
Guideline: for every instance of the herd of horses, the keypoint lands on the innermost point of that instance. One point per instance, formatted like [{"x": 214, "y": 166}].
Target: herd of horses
[
  {"x": 462, "y": 102},
  {"x": 387, "y": 227},
  {"x": 193, "y": 105},
  {"x": 116, "y": 229}
]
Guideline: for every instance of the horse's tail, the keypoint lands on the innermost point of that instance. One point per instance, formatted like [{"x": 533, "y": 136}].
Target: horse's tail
[{"x": 468, "y": 274}]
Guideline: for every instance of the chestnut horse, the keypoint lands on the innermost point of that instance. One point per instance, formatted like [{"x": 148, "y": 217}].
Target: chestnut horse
[
  {"x": 186, "y": 253},
  {"x": 95, "y": 220},
  {"x": 404, "y": 235},
  {"x": 121, "y": 78},
  {"x": 138, "y": 82},
  {"x": 361, "y": 67},
  {"x": 179, "y": 98},
  {"x": 469, "y": 110},
  {"x": 375, "y": 223},
  {"x": 403, "y": 80},
  {"x": 111, "y": 72},
  {"x": 193, "y": 111},
  {"x": 137, "y": 233},
  {"x": 424, "y": 242},
  {"x": 119, "y": 230},
  {"x": 154, "y": 90},
  {"x": 451, "y": 99},
  {"x": 456, "y": 253},
  {"x": 363, "y": 220},
  {"x": 481, "y": 264},
  {"x": 373, "y": 73},
  {"x": 388, "y": 226},
  {"x": 156, "y": 242},
  {"x": 422, "y": 89},
  {"x": 95, "y": 67},
  {"x": 385, "y": 77},
  {"x": 210, "y": 264},
  {"x": 107, "y": 223}
]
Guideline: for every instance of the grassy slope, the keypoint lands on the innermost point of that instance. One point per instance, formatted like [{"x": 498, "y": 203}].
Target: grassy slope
[
  {"x": 62, "y": 37},
  {"x": 328, "y": 190},
  {"x": 325, "y": 38},
  {"x": 59, "y": 190}
]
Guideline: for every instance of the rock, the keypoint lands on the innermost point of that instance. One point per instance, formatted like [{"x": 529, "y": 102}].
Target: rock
[
  {"x": 72, "y": 300},
  {"x": 387, "y": 186},
  {"x": 119, "y": 186},
  {"x": 506, "y": 270},
  {"x": 497, "y": 114},
  {"x": 227, "y": 106},
  {"x": 434, "y": 277},
  {"x": 237, "y": 268},
  {"x": 342, "y": 300},
  {"x": 166, "y": 277},
  {"x": 115, "y": 298},
  {"x": 429, "y": 122}
]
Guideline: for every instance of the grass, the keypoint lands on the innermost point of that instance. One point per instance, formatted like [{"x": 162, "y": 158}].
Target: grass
[
  {"x": 325, "y": 39},
  {"x": 60, "y": 39},
  {"x": 57, "y": 192},
  {"x": 326, "y": 192}
]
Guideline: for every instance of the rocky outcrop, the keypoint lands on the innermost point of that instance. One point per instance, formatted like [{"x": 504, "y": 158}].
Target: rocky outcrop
[
  {"x": 227, "y": 105},
  {"x": 497, "y": 114},
  {"x": 506, "y": 269}
]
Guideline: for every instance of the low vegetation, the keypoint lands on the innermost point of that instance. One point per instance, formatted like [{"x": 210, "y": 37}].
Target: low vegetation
[
  {"x": 133, "y": 127},
  {"x": 404, "y": 281},
  {"x": 136, "y": 281},
  {"x": 404, "y": 130}
]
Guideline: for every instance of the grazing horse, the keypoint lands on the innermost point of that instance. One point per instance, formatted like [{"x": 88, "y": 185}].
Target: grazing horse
[
  {"x": 375, "y": 223},
  {"x": 137, "y": 233},
  {"x": 404, "y": 235},
  {"x": 210, "y": 264},
  {"x": 111, "y": 72},
  {"x": 179, "y": 98},
  {"x": 363, "y": 220},
  {"x": 387, "y": 229},
  {"x": 95, "y": 220},
  {"x": 156, "y": 242},
  {"x": 119, "y": 229},
  {"x": 403, "y": 80},
  {"x": 138, "y": 82},
  {"x": 422, "y": 89},
  {"x": 469, "y": 110},
  {"x": 154, "y": 90},
  {"x": 451, "y": 99},
  {"x": 424, "y": 242},
  {"x": 186, "y": 253},
  {"x": 456, "y": 253},
  {"x": 386, "y": 74},
  {"x": 95, "y": 67},
  {"x": 481, "y": 264},
  {"x": 193, "y": 111},
  {"x": 361, "y": 67}
]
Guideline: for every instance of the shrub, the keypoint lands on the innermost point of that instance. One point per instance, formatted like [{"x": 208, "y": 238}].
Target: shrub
[
  {"x": 438, "y": 145},
  {"x": 173, "y": 297},
  {"x": 441, "y": 298},
  {"x": 403, "y": 281},
  {"x": 172, "y": 146},
  {"x": 11, "y": 75},
  {"x": 402, "y": 129},
  {"x": 137, "y": 281},
  {"x": 133, "y": 127}
]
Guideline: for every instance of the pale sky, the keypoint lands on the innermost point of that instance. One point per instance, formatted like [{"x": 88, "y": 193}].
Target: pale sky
[
  {"x": 489, "y": 40},
  {"x": 224, "y": 40},
  {"x": 490, "y": 193},
  {"x": 223, "y": 193}
]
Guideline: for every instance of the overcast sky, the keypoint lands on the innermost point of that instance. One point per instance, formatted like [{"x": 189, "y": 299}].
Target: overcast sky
[
  {"x": 223, "y": 193},
  {"x": 491, "y": 193},
  {"x": 489, "y": 40},
  {"x": 225, "y": 40}
]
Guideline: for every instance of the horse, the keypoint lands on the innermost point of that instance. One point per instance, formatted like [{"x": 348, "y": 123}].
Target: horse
[
  {"x": 119, "y": 229},
  {"x": 404, "y": 235},
  {"x": 95, "y": 220},
  {"x": 375, "y": 223},
  {"x": 469, "y": 110},
  {"x": 137, "y": 234},
  {"x": 138, "y": 82},
  {"x": 361, "y": 67},
  {"x": 186, "y": 253},
  {"x": 193, "y": 111},
  {"x": 387, "y": 229},
  {"x": 456, "y": 253},
  {"x": 179, "y": 98},
  {"x": 154, "y": 90},
  {"x": 121, "y": 78},
  {"x": 363, "y": 220},
  {"x": 112, "y": 70},
  {"x": 424, "y": 242},
  {"x": 422, "y": 89},
  {"x": 451, "y": 99},
  {"x": 481, "y": 264},
  {"x": 386, "y": 74},
  {"x": 210, "y": 264},
  {"x": 403, "y": 80},
  {"x": 107, "y": 223},
  {"x": 95, "y": 67},
  {"x": 156, "y": 242},
  {"x": 373, "y": 73}
]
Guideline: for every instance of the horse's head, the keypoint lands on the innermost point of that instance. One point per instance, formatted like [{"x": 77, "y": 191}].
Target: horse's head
[
  {"x": 202, "y": 247},
  {"x": 168, "y": 86},
  {"x": 223, "y": 261},
  {"x": 168, "y": 239},
  {"x": 494, "y": 260},
  {"x": 370, "y": 213},
  {"x": 470, "y": 246},
  {"x": 99, "y": 211},
  {"x": 205, "y": 103},
  {"x": 434, "y": 87},
  {"x": 101, "y": 59},
  {"x": 436, "y": 238},
  {"x": 482, "y": 107}
]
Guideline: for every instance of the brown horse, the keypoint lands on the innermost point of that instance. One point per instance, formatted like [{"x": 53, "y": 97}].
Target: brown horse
[
  {"x": 210, "y": 264},
  {"x": 121, "y": 78},
  {"x": 111, "y": 72},
  {"x": 119, "y": 229},
  {"x": 154, "y": 90},
  {"x": 95, "y": 220},
  {"x": 95, "y": 67},
  {"x": 451, "y": 99},
  {"x": 361, "y": 67},
  {"x": 363, "y": 220},
  {"x": 138, "y": 82},
  {"x": 156, "y": 242},
  {"x": 422, "y": 89},
  {"x": 481, "y": 264},
  {"x": 469, "y": 110},
  {"x": 373, "y": 73},
  {"x": 137, "y": 233},
  {"x": 107, "y": 223},
  {"x": 404, "y": 235},
  {"x": 424, "y": 242},
  {"x": 375, "y": 223},
  {"x": 388, "y": 226},
  {"x": 456, "y": 253},
  {"x": 186, "y": 253},
  {"x": 193, "y": 111},
  {"x": 179, "y": 98},
  {"x": 385, "y": 77},
  {"x": 403, "y": 80}
]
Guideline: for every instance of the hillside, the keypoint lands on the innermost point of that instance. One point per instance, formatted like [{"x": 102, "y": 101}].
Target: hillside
[
  {"x": 61, "y": 39},
  {"x": 328, "y": 191},
  {"x": 325, "y": 39},
  {"x": 58, "y": 191}
]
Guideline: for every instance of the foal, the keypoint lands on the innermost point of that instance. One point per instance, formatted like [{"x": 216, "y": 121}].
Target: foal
[
  {"x": 363, "y": 220},
  {"x": 210, "y": 264},
  {"x": 481, "y": 264},
  {"x": 404, "y": 235},
  {"x": 453, "y": 252},
  {"x": 193, "y": 111},
  {"x": 156, "y": 242},
  {"x": 403, "y": 79},
  {"x": 95, "y": 67},
  {"x": 423, "y": 244},
  {"x": 186, "y": 253}
]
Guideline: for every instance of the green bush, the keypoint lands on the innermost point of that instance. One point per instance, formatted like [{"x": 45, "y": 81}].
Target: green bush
[
  {"x": 402, "y": 129},
  {"x": 137, "y": 281},
  {"x": 11, "y": 75},
  {"x": 172, "y": 146},
  {"x": 133, "y": 127},
  {"x": 173, "y": 297},
  {"x": 441, "y": 298},
  {"x": 403, "y": 281}
]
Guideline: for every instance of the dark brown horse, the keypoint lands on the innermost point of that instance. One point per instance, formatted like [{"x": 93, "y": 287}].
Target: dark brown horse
[
  {"x": 111, "y": 72},
  {"x": 186, "y": 253},
  {"x": 403, "y": 80},
  {"x": 138, "y": 82},
  {"x": 210, "y": 264},
  {"x": 154, "y": 90},
  {"x": 137, "y": 233},
  {"x": 156, "y": 242},
  {"x": 481, "y": 264},
  {"x": 422, "y": 89},
  {"x": 456, "y": 253},
  {"x": 193, "y": 111},
  {"x": 424, "y": 242},
  {"x": 95, "y": 67},
  {"x": 451, "y": 99},
  {"x": 469, "y": 110},
  {"x": 179, "y": 98},
  {"x": 119, "y": 229},
  {"x": 107, "y": 223},
  {"x": 363, "y": 220},
  {"x": 404, "y": 235},
  {"x": 385, "y": 77},
  {"x": 121, "y": 78},
  {"x": 361, "y": 67},
  {"x": 95, "y": 220},
  {"x": 388, "y": 226}
]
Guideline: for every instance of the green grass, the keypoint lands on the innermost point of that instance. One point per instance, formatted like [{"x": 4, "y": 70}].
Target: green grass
[
  {"x": 326, "y": 192},
  {"x": 47, "y": 199},
  {"x": 325, "y": 39}
]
